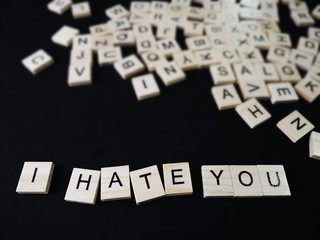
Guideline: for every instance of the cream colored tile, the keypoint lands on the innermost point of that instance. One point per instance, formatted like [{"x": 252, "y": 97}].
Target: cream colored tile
[
  {"x": 83, "y": 41},
  {"x": 267, "y": 72},
  {"x": 35, "y": 178},
  {"x": 80, "y": 75},
  {"x": 168, "y": 47},
  {"x": 177, "y": 20},
  {"x": 309, "y": 89},
  {"x": 81, "y": 56},
  {"x": 253, "y": 113},
  {"x": 147, "y": 184},
  {"x": 295, "y": 126},
  {"x": 314, "y": 33},
  {"x": 282, "y": 93},
  {"x": 64, "y": 36},
  {"x": 115, "y": 183},
  {"x": 250, "y": 55},
  {"x": 302, "y": 18},
  {"x": 109, "y": 55},
  {"x": 195, "y": 13},
  {"x": 226, "y": 96},
  {"x": 254, "y": 89},
  {"x": 170, "y": 73},
  {"x": 198, "y": 43},
  {"x": 157, "y": 19},
  {"x": 222, "y": 74},
  {"x": 219, "y": 42},
  {"x": 206, "y": 58},
  {"x": 246, "y": 181},
  {"x": 245, "y": 71},
  {"x": 37, "y": 61},
  {"x": 181, "y": 2},
  {"x": 146, "y": 44},
  {"x": 83, "y": 186},
  {"x": 153, "y": 59},
  {"x": 301, "y": 59},
  {"x": 251, "y": 27},
  {"x": 166, "y": 31},
  {"x": 80, "y": 10},
  {"x": 193, "y": 28},
  {"x": 228, "y": 55},
  {"x": 269, "y": 26},
  {"x": 314, "y": 145},
  {"x": 145, "y": 86},
  {"x": 216, "y": 181},
  {"x": 177, "y": 179},
  {"x": 278, "y": 54},
  {"x": 119, "y": 24},
  {"x": 308, "y": 46},
  {"x": 186, "y": 60},
  {"x": 314, "y": 72},
  {"x": 124, "y": 38},
  {"x": 117, "y": 11},
  {"x": 288, "y": 73},
  {"x": 129, "y": 66},
  {"x": 215, "y": 30},
  {"x": 158, "y": 6},
  {"x": 212, "y": 17},
  {"x": 140, "y": 17},
  {"x": 140, "y": 6},
  {"x": 298, "y": 6},
  {"x": 241, "y": 41},
  {"x": 260, "y": 40},
  {"x": 250, "y": 3},
  {"x": 59, "y": 6},
  {"x": 101, "y": 29},
  {"x": 273, "y": 181},
  {"x": 280, "y": 39},
  {"x": 177, "y": 9},
  {"x": 102, "y": 42},
  {"x": 316, "y": 12},
  {"x": 142, "y": 30}
]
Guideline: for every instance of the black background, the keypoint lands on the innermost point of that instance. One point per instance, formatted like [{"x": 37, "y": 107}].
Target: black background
[{"x": 104, "y": 125}]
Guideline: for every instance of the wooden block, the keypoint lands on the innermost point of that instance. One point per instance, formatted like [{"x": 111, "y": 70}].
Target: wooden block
[
  {"x": 81, "y": 10},
  {"x": 260, "y": 40},
  {"x": 250, "y": 27},
  {"x": 314, "y": 145},
  {"x": 282, "y": 93},
  {"x": 250, "y": 3},
  {"x": 177, "y": 9},
  {"x": 301, "y": 59},
  {"x": 79, "y": 75},
  {"x": 140, "y": 17},
  {"x": 157, "y": 19},
  {"x": 177, "y": 179},
  {"x": 119, "y": 24},
  {"x": 278, "y": 54},
  {"x": 316, "y": 12},
  {"x": 302, "y": 18},
  {"x": 102, "y": 42},
  {"x": 64, "y": 36},
  {"x": 198, "y": 43},
  {"x": 269, "y": 26},
  {"x": 166, "y": 31},
  {"x": 158, "y": 6},
  {"x": 253, "y": 113},
  {"x": 230, "y": 17},
  {"x": 101, "y": 29},
  {"x": 83, "y": 41},
  {"x": 246, "y": 181},
  {"x": 35, "y": 178},
  {"x": 146, "y": 44},
  {"x": 170, "y": 73},
  {"x": 193, "y": 28},
  {"x": 222, "y": 74},
  {"x": 288, "y": 73},
  {"x": 142, "y": 30},
  {"x": 215, "y": 6},
  {"x": 37, "y": 61},
  {"x": 59, "y": 6},
  {"x": 186, "y": 60},
  {"x": 195, "y": 13},
  {"x": 228, "y": 55},
  {"x": 145, "y": 86},
  {"x": 226, "y": 96},
  {"x": 181, "y": 2},
  {"x": 254, "y": 89},
  {"x": 140, "y": 6},
  {"x": 215, "y": 30},
  {"x": 308, "y": 88},
  {"x": 81, "y": 56},
  {"x": 295, "y": 126},
  {"x": 124, "y": 38},
  {"x": 219, "y": 42},
  {"x": 280, "y": 39},
  {"x": 168, "y": 47},
  {"x": 314, "y": 33},
  {"x": 83, "y": 186},
  {"x": 177, "y": 20},
  {"x": 212, "y": 17},
  {"x": 109, "y": 55},
  {"x": 249, "y": 14},
  {"x": 147, "y": 184},
  {"x": 298, "y": 6},
  {"x": 117, "y": 11},
  {"x": 206, "y": 58},
  {"x": 273, "y": 181},
  {"x": 308, "y": 46},
  {"x": 115, "y": 183},
  {"x": 246, "y": 71},
  {"x": 241, "y": 41},
  {"x": 267, "y": 72},
  {"x": 153, "y": 59},
  {"x": 216, "y": 181},
  {"x": 314, "y": 72},
  {"x": 129, "y": 66},
  {"x": 250, "y": 55},
  {"x": 234, "y": 29}
]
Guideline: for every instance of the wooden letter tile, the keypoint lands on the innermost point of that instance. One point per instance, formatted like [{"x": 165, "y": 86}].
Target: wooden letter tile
[
  {"x": 282, "y": 93},
  {"x": 35, "y": 178},
  {"x": 117, "y": 11},
  {"x": 119, "y": 24},
  {"x": 280, "y": 39},
  {"x": 129, "y": 66},
  {"x": 301, "y": 59},
  {"x": 198, "y": 43},
  {"x": 260, "y": 40},
  {"x": 146, "y": 44},
  {"x": 193, "y": 28},
  {"x": 314, "y": 33},
  {"x": 226, "y": 96},
  {"x": 168, "y": 47},
  {"x": 166, "y": 31},
  {"x": 186, "y": 60},
  {"x": 254, "y": 89},
  {"x": 177, "y": 179},
  {"x": 109, "y": 55},
  {"x": 308, "y": 88},
  {"x": 278, "y": 54},
  {"x": 222, "y": 74},
  {"x": 302, "y": 18},
  {"x": 316, "y": 12},
  {"x": 81, "y": 57},
  {"x": 295, "y": 126},
  {"x": 288, "y": 73},
  {"x": 170, "y": 73},
  {"x": 251, "y": 55},
  {"x": 147, "y": 184},
  {"x": 81, "y": 10},
  {"x": 145, "y": 86},
  {"x": 153, "y": 59},
  {"x": 37, "y": 61},
  {"x": 101, "y": 42},
  {"x": 314, "y": 144},
  {"x": 83, "y": 186},
  {"x": 79, "y": 75},
  {"x": 253, "y": 113},
  {"x": 59, "y": 6},
  {"x": 64, "y": 36},
  {"x": 115, "y": 183},
  {"x": 142, "y": 30},
  {"x": 82, "y": 41},
  {"x": 267, "y": 72},
  {"x": 308, "y": 46},
  {"x": 124, "y": 38},
  {"x": 140, "y": 6},
  {"x": 206, "y": 58},
  {"x": 101, "y": 29}
]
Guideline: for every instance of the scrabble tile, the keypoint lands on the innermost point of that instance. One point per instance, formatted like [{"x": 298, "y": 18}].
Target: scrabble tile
[
  {"x": 195, "y": 13},
  {"x": 59, "y": 6},
  {"x": 124, "y": 38},
  {"x": 81, "y": 10},
  {"x": 216, "y": 6},
  {"x": 157, "y": 19},
  {"x": 81, "y": 56},
  {"x": 295, "y": 126},
  {"x": 147, "y": 184},
  {"x": 288, "y": 73},
  {"x": 177, "y": 179},
  {"x": 215, "y": 30},
  {"x": 186, "y": 60},
  {"x": 119, "y": 24},
  {"x": 140, "y": 6},
  {"x": 177, "y": 9},
  {"x": 250, "y": 3},
  {"x": 146, "y": 44},
  {"x": 109, "y": 55},
  {"x": 234, "y": 29},
  {"x": 260, "y": 40},
  {"x": 298, "y": 6},
  {"x": 35, "y": 178},
  {"x": 83, "y": 41},
  {"x": 37, "y": 61},
  {"x": 83, "y": 186},
  {"x": 219, "y": 42},
  {"x": 251, "y": 27},
  {"x": 308, "y": 88},
  {"x": 302, "y": 18},
  {"x": 166, "y": 31},
  {"x": 181, "y": 2},
  {"x": 269, "y": 26},
  {"x": 314, "y": 72},
  {"x": 168, "y": 47},
  {"x": 129, "y": 66},
  {"x": 153, "y": 59},
  {"x": 241, "y": 41},
  {"x": 316, "y": 12},
  {"x": 140, "y": 17},
  {"x": 101, "y": 29},
  {"x": 228, "y": 55},
  {"x": 245, "y": 71},
  {"x": 278, "y": 54},
  {"x": 145, "y": 86},
  {"x": 170, "y": 73},
  {"x": 212, "y": 17},
  {"x": 177, "y": 20},
  {"x": 216, "y": 181},
  {"x": 254, "y": 89},
  {"x": 142, "y": 30},
  {"x": 198, "y": 43},
  {"x": 246, "y": 181},
  {"x": 251, "y": 55},
  {"x": 102, "y": 42},
  {"x": 230, "y": 17},
  {"x": 117, "y": 11},
  {"x": 269, "y": 5},
  {"x": 282, "y": 93},
  {"x": 79, "y": 75},
  {"x": 308, "y": 46},
  {"x": 206, "y": 58},
  {"x": 249, "y": 14},
  {"x": 158, "y": 6},
  {"x": 226, "y": 96},
  {"x": 222, "y": 74},
  {"x": 253, "y": 113},
  {"x": 193, "y": 28},
  {"x": 314, "y": 33},
  {"x": 301, "y": 59},
  {"x": 280, "y": 39},
  {"x": 115, "y": 183},
  {"x": 267, "y": 72},
  {"x": 314, "y": 145},
  {"x": 273, "y": 181}
]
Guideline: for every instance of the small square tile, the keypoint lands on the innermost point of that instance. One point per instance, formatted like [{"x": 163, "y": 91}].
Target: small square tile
[
  {"x": 226, "y": 96},
  {"x": 170, "y": 73},
  {"x": 79, "y": 75},
  {"x": 153, "y": 59},
  {"x": 288, "y": 73},
  {"x": 59, "y": 6},
  {"x": 168, "y": 47},
  {"x": 81, "y": 57},
  {"x": 282, "y": 93},
  {"x": 81, "y": 10},
  {"x": 37, "y": 61},
  {"x": 65, "y": 35},
  {"x": 308, "y": 88},
  {"x": 314, "y": 145},
  {"x": 109, "y": 55},
  {"x": 186, "y": 60},
  {"x": 129, "y": 66},
  {"x": 145, "y": 86},
  {"x": 117, "y": 11},
  {"x": 222, "y": 74}
]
